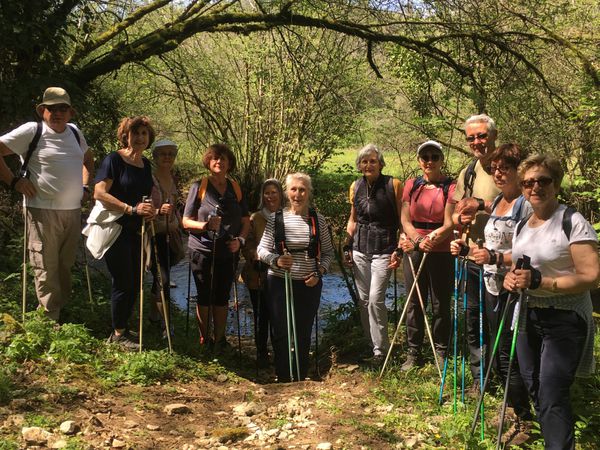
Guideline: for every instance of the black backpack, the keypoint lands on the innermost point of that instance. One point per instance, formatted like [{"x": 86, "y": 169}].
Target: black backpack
[
  {"x": 314, "y": 243},
  {"x": 567, "y": 222}
]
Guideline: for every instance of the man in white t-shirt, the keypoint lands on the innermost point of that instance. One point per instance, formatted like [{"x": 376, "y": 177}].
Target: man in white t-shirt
[{"x": 53, "y": 186}]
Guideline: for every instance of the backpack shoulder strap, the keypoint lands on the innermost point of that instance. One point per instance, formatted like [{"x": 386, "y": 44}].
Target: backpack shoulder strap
[
  {"x": 521, "y": 224},
  {"x": 237, "y": 189},
  {"x": 202, "y": 188},
  {"x": 357, "y": 184},
  {"x": 518, "y": 208},
  {"x": 469, "y": 179},
  {"x": 417, "y": 183},
  {"x": 279, "y": 232},
  {"x": 32, "y": 146},
  {"x": 74, "y": 130},
  {"x": 567, "y": 221},
  {"x": 446, "y": 188},
  {"x": 496, "y": 201},
  {"x": 391, "y": 194},
  {"x": 314, "y": 242}
]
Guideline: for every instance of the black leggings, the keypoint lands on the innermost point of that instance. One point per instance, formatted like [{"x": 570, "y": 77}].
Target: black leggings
[{"x": 306, "y": 304}]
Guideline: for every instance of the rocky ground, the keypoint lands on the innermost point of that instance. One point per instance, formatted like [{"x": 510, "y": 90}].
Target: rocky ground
[{"x": 221, "y": 413}]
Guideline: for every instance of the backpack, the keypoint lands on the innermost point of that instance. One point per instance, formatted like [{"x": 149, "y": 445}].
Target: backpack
[
  {"x": 567, "y": 222},
  {"x": 516, "y": 211},
  {"x": 420, "y": 181},
  {"x": 204, "y": 185},
  {"x": 314, "y": 242},
  {"x": 34, "y": 143}
]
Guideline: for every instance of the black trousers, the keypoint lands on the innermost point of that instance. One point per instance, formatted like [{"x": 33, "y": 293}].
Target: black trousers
[
  {"x": 213, "y": 288},
  {"x": 123, "y": 262},
  {"x": 161, "y": 246},
  {"x": 306, "y": 305},
  {"x": 518, "y": 398},
  {"x": 549, "y": 351},
  {"x": 259, "y": 297},
  {"x": 435, "y": 284}
]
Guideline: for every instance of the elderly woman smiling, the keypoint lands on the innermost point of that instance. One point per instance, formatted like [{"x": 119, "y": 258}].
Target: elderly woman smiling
[{"x": 557, "y": 342}]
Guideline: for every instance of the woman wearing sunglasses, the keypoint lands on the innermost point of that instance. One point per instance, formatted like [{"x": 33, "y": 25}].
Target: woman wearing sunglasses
[
  {"x": 508, "y": 208},
  {"x": 556, "y": 342},
  {"x": 427, "y": 224}
]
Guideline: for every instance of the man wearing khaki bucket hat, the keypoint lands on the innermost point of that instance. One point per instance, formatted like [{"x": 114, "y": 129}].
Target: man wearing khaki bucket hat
[{"x": 56, "y": 168}]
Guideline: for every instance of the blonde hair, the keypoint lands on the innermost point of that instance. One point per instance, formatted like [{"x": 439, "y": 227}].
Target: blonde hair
[{"x": 548, "y": 162}]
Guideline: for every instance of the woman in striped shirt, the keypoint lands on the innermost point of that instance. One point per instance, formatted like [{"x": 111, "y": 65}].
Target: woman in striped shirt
[{"x": 295, "y": 240}]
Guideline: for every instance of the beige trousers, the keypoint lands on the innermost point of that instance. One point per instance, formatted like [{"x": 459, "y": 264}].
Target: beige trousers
[{"x": 54, "y": 236}]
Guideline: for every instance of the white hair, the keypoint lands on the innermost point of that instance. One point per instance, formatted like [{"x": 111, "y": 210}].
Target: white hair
[
  {"x": 302, "y": 177},
  {"x": 367, "y": 150},
  {"x": 482, "y": 118}
]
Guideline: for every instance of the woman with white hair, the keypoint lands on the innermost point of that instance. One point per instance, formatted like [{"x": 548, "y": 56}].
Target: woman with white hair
[
  {"x": 372, "y": 229},
  {"x": 297, "y": 241}
]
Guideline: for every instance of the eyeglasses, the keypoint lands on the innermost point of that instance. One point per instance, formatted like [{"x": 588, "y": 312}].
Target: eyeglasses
[
  {"x": 57, "y": 108},
  {"x": 479, "y": 136},
  {"x": 166, "y": 154},
  {"x": 502, "y": 169},
  {"x": 542, "y": 181},
  {"x": 434, "y": 158}
]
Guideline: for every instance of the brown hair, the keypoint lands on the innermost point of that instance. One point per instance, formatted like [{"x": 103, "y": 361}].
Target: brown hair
[
  {"x": 133, "y": 124},
  {"x": 510, "y": 154},
  {"x": 548, "y": 162},
  {"x": 216, "y": 151}
]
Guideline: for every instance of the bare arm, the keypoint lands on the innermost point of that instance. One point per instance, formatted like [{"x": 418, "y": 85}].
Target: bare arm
[
  {"x": 23, "y": 185},
  {"x": 587, "y": 270},
  {"x": 351, "y": 225},
  {"x": 88, "y": 167}
]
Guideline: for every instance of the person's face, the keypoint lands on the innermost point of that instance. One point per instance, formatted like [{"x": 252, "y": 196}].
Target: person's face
[
  {"x": 430, "y": 161},
  {"x": 271, "y": 198},
  {"x": 165, "y": 156},
  {"x": 219, "y": 164},
  {"x": 298, "y": 193},
  {"x": 57, "y": 116},
  {"x": 370, "y": 165},
  {"x": 504, "y": 175},
  {"x": 480, "y": 140},
  {"x": 538, "y": 186},
  {"x": 139, "y": 138}
]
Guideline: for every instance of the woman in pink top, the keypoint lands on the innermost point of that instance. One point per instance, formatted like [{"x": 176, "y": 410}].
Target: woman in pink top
[{"x": 427, "y": 224}]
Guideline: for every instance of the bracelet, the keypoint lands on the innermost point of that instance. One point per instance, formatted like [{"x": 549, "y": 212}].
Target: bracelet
[
  {"x": 500, "y": 261},
  {"x": 554, "y": 285},
  {"x": 316, "y": 274},
  {"x": 14, "y": 182},
  {"x": 134, "y": 210},
  {"x": 417, "y": 242},
  {"x": 86, "y": 188}
]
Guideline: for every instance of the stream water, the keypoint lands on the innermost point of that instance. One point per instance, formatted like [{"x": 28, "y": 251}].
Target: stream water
[{"x": 335, "y": 293}]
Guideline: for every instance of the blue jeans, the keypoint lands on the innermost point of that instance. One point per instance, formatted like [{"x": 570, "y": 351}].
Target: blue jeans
[{"x": 549, "y": 350}]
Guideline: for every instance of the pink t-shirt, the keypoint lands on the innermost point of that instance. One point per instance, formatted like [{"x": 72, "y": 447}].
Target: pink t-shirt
[{"x": 427, "y": 205}]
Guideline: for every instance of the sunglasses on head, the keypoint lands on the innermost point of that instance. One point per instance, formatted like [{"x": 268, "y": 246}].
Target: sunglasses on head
[
  {"x": 479, "y": 136},
  {"x": 57, "y": 108},
  {"x": 435, "y": 157},
  {"x": 542, "y": 181}
]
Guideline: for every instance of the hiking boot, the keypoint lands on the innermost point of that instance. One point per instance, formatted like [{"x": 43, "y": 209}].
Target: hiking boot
[
  {"x": 509, "y": 418},
  {"x": 518, "y": 434},
  {"x": 413, "y": 360},
  {"x": 221, "y": 347},
  {"x": 124, "y": 340},
  {"x": 375, "y": 360}
]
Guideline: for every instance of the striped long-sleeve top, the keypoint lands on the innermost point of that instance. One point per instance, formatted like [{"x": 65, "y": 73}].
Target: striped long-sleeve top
[{"x": 297, "y": 235}]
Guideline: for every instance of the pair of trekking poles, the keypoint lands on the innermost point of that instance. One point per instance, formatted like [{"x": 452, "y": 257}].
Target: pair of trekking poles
[{"x": 415, "y": 286}]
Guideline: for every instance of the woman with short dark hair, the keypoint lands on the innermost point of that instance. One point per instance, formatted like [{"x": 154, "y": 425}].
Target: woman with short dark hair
[{"x": 217, "y": 217}]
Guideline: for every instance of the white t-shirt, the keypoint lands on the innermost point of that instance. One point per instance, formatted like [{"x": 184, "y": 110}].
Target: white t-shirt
[
  {"x": 548, "y": 247},
  {"x": 499, "y": 232},
  {"x": 55, "y": 166}
]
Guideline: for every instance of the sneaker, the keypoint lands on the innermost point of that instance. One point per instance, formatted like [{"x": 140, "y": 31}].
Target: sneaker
[
  {"x": 413, "y": 360},
  {"x": 376, "y": 360},
  {"x": 124, "y": 340},
  {"x": 519, "y": 434}
]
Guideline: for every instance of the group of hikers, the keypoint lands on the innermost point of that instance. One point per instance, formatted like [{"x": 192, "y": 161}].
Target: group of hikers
[{"x": 496, "y": 240}]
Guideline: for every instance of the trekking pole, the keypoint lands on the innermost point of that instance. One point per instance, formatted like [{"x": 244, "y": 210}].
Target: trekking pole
[
  {"x": 211, "y": 295},
  {"x": 24, "y": 267},
  {"x": 236, "y": 304},
  {"x": 168, "y": 271},
  {"x": 189, "y": 293},
  {"x": 481, "y": 348},
  {"x": 465, "y": 271},
  {"x": 317, "y": 344},
  {"x": 143, "y": 232},
  {"x": 288, "y": 321},
  {"x": 87, "y": 275},
  {"x": 387, "y": 357},
  {"x": 256, "y": 318},
  {"x": 396, "y": 297},
  {"x": 489, "y": 369},
  {"x": 293, "y": 316},
  {"x": 161, "y": 286},
  {"x": 525, "y": 264},
  {"x": 412, "y": 268}
]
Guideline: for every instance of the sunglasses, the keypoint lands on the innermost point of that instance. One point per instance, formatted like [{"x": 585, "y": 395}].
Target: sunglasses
[
  {"x": 542, "y": 181},
  {"x": 166, "y": 154},
  {"x": 479, "y": 136},
  {"x": 57, "y": 108},
  {"x": 434, "y": 158},
  {"x": 502, "y": 169}
]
